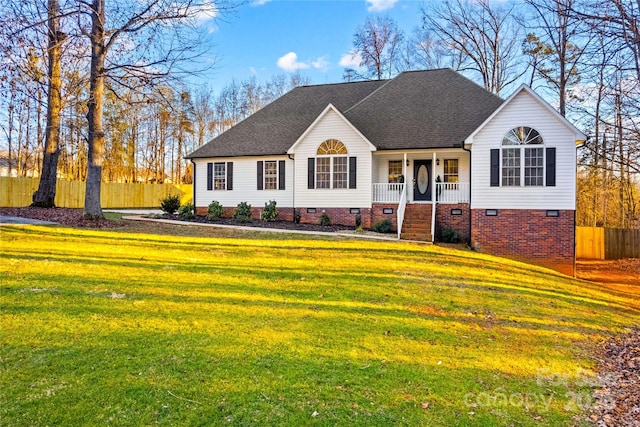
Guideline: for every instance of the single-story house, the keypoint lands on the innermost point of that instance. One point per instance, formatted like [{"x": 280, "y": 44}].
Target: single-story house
[{"x": 428, "y": 150}]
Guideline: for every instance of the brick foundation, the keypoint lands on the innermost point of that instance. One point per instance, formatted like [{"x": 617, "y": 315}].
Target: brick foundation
[
  {"x": 527, "y": 235},
  {"x": 377, "y": 214},
  {"x": 460, "y": 223},
  {"x": 338, "y": 216}
]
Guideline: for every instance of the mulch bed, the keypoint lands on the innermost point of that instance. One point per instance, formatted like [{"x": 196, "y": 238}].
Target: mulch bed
[
  {"x": 73, "y": 218},
  {"x": 65, "y": 216},
  {"x": 618, "y": 400},
  {"x": 282, "y": 225}
]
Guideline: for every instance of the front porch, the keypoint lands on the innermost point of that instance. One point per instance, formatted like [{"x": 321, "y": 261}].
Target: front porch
[
  {"x": 445, "y": 192},
  {"x": 419, "y": 220}
]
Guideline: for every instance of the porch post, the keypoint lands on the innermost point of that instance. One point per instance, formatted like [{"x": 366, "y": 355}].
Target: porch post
[
  {"x": 434, "y": 196},
  {"x": 404, "y": 174}
]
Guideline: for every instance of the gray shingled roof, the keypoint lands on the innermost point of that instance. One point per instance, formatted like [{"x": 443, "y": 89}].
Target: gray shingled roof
[
  {"x": 276, "y": 127},
  {"x": 423, "y": 109},
  {"x": 418, "y": 109}
]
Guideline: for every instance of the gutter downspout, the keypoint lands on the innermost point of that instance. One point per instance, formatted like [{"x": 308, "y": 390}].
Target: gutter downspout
[
  {"x": 434, "y": 197},
  {"x": 293, "y": 190},
  {"x": 470, "y": 184},
  {"x": 193, "y": 182}
]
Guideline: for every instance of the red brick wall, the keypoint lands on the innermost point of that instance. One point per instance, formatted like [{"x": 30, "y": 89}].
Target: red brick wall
[
  {"x": 527, "y": 235},
  {"x": 377, "y": 214},
  {"x": 460, "y": 223},
  {"x": 338, "y": 216}
]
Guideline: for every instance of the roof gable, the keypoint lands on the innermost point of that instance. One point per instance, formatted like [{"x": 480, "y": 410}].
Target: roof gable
[
  {"x": 326, "y": 111},
  {"x": 580, "y": 136}
]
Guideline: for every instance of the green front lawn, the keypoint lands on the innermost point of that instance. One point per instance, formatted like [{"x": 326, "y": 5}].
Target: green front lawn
[{"x": 116, "y": 328}]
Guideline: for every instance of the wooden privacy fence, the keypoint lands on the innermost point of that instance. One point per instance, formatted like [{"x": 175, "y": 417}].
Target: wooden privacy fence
[
  {"x": 17, "y": 192},
  {"x": 607, "y": 243}
]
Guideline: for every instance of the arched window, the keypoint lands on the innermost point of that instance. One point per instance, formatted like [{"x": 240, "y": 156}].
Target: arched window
[
  {"x": 522, "y": 157},
  {"x": 331, "y": 146},
  {"x": 332, "y": 169}
]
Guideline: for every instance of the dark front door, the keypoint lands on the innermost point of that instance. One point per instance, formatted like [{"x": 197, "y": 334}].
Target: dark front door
[{"x": 422, "y": 180}]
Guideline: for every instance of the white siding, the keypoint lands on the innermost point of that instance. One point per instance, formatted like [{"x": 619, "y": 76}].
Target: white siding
[
  {"x": 524, "y": 110},
  {"x": 333, "y": 126},
  {"x": 245, "y": 177}
]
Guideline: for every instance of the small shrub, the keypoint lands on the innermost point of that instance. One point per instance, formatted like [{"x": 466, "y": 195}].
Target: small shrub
[
  {"x": 358, "y": 221},
  {"x": 382, "y": 226},
  {"x": 187, "y": 211},
  {"x": 215, "y": 210},
  {"x": 242, "y": 213},
  {"x": 170, "y": 204},
  {"x": 325, "y": 220},
  {"x": 270, "y": 212},
  {"x": 449, "y": 235},
  {"x": 359, "y": 230}
]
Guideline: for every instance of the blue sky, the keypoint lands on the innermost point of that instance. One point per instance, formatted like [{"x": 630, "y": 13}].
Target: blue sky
[{"x": 266, "y": 37}]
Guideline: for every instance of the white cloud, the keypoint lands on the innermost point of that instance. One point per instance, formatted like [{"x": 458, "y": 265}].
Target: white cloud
[
  {"x": 380, "y": 5},
  {"x": 206, "y": 10},
  {"x": 289, "y": 62},
  {"x": 321, "y": 63},
  {"x": 353, "y": 59},
  {"x": 260, "y": 2}
]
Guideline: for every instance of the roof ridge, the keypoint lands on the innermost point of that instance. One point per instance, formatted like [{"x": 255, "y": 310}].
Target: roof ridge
[
  {"x": 340, "y": 83},
  {"x": 371, "y": 94}
]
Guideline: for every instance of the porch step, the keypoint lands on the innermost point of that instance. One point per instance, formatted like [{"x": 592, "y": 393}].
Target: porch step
[{"x": 417, "y": 223}]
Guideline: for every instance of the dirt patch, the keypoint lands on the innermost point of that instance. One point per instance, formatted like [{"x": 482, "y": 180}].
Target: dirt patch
[{"x": 610, "y": 272}]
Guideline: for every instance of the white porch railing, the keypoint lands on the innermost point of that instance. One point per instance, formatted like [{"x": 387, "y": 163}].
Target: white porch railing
[
  {"x": 402, "y": 204},
  {"x": 452, "y": 192},
  {"x": 387, "y": 192}
]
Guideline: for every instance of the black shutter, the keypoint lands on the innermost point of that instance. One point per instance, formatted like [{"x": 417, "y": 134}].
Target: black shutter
[
  {"x": 229, "y": 175},
  {"x": 311, "y": 172},
  {"x": 209, "y": 176},
  {"x": 495, "y": 168},
  {"x": 281, "y": 174},
  {"x": 551, "y": 167},
  {"x": 352, "y": 172},
  {"x": 260, "y": 175}
]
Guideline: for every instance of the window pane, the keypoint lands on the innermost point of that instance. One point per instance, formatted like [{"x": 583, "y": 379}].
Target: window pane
[
  {"x": 533, "y": 166},
  {"x": 219, "y": 176},
  {"x": 395, "y": 170},
  {"x": 323, "y": 172},
  {"x": 450, "y": 170},
  {"x": 270, "y": 175},
  {"x": 510, "y": 167},
  {"x": 331, "y": 146},
  {"x": 340, "y": 172}
]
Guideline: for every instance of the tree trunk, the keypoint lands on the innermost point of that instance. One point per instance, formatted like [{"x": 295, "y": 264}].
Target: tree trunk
[
  {"x": 92, "y": 207},
  {"x": 46, "y": 194}
]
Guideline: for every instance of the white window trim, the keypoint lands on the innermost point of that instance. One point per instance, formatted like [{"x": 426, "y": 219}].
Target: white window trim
[
  {"x": 331, "y": 157},
  {"x": 224, "y": 176},
  {"x": 523, "y": 166},
  {"x": 264, "y": 175},
  {"x": 521, "y": 148}
]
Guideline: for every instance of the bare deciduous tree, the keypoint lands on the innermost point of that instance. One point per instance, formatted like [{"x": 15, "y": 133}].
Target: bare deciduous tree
[
  {"x": 46, "y": 193},
  {"x": 378, "y": 41},
  {"x": 479, "y": 37}
]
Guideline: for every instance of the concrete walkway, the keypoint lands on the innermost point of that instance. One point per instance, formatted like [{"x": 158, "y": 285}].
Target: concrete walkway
[{"x": 16, "y": 220}]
